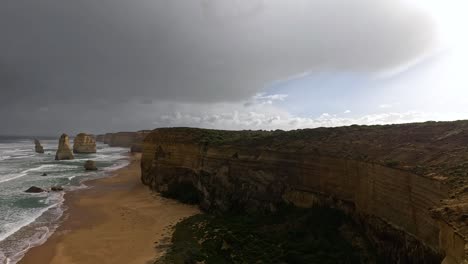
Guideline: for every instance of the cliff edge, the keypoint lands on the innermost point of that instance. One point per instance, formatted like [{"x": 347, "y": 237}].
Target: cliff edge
[{"x": 406, "y": 185}]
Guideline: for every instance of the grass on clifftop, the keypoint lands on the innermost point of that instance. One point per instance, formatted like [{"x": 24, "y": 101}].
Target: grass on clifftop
[{"x": 292, "y": 236}]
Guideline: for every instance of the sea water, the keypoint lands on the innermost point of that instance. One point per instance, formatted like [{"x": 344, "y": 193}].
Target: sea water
[{"x": 28, "y": 219}]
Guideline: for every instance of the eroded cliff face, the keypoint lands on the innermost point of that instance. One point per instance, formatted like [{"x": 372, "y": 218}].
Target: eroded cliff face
[
  {"x": 395, "y": 181},
  {"x": 84, "y": 143},
  {"x": 100, "y": 138},
  {"x": 133, "y": 140},
  {"x": 107, "y": 138}
]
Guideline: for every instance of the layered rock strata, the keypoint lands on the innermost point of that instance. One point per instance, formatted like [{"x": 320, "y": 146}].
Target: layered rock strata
[
  {"x": 128, "y": 139},
  {"x": 122, "y": 139},
  {"x": 38, "y": 147},
  {"x": 406, "y": 185},
  {"x": 100, "y": 138},
  {"x": 64, "y": 151},
  {"x": 107, "y": 138},
  {"x": 84, "y": 143}
]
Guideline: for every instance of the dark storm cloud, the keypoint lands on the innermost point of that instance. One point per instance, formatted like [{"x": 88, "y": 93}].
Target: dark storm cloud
[{"x": 96, "y": 52}]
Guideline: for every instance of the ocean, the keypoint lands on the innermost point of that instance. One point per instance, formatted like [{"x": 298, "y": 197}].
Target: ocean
[{"x": 27, "y": 219}]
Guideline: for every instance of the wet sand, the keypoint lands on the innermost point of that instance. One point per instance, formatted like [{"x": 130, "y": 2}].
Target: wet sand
[{"x": 118, "y": 220}]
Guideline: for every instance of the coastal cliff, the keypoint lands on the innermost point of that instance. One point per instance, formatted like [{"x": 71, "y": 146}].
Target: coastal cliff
[
  {"x": 132, "y": 140},
  {"x": 107, "y": 138},
  {"x": 100, "y": 138},
  {"x": 405, "y": 185}
]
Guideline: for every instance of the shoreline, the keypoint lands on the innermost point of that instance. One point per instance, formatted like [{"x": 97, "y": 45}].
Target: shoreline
[{"x": 116, "y": 220}]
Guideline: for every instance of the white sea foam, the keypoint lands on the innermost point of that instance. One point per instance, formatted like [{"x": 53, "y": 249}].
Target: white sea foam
[
  {"x": 118, "y": 165},
  {"x": 39, "y": 237},
  {"x": 23, "y": 173},
  {"x": 22, "y": 156},
  {"x": 19, "y": 175},
  {"x": 4, "y": 157},
  {"x": 14, "y": 227},
  {"x": 71, "y": 177}
]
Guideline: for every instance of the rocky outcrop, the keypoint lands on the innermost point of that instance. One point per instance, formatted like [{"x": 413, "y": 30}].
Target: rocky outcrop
[
  {"x": 38, "y": 147},
  {"x": 406, "y": 185},
  {"x": 84, "y": 143},
  {"x": 56, "y": 188},
  {"x": 35, "y": 189},
  {"x": 90, "y": 165},
  {"x": 64, "y": 151}
]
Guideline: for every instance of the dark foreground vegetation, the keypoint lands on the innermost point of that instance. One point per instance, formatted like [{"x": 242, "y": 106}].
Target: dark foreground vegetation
[{"x": 318, "y": 235}]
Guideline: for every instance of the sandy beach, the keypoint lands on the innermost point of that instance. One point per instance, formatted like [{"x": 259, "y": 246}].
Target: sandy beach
[{"x": 117, "y": 220}]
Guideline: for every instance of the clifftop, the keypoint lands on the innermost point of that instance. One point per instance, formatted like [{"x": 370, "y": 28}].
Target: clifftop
[{"x": 436, "y": 150}]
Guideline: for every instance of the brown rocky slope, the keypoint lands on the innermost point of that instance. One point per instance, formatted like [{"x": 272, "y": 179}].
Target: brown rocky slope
[{"x": 407, "y": 185}]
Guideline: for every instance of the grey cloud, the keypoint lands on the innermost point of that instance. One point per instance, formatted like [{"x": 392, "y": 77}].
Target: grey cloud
[
  {"x": 104, "y": 52},
  {"x": 199, "y": 50}
]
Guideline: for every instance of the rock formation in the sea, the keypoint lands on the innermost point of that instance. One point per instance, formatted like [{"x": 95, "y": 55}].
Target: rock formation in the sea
[
  {"x": 35, "y": 189},
  {"x": 38, "y": 147},
  {"x": 64, "y": 151},
  {"x": 56, "y": 188},
  {"x": 90, "y": 165},
  {"x": 405, "y": 185},
  {"x": 44, "y": 174},
  {"x": 84, "y": 143}
]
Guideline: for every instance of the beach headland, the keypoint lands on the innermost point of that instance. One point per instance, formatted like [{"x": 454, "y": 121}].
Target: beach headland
[{"x": 117, "y": 220}]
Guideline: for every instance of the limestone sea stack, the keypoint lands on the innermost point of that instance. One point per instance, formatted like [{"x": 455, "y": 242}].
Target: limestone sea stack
[
  {"x": 84, "y": 143},
  {"x": 64, "y": 151},
  {"x": 38, "y": 147}
]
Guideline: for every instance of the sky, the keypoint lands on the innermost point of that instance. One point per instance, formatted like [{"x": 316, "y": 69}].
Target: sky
[{"x": 120, "y": 65}]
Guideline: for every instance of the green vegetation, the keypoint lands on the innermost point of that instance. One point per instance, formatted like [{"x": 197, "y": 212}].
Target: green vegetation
[
  {"x": 220, "y": 137},
  {"x": 289, "y": 236}
]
